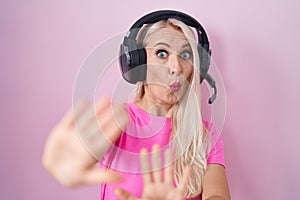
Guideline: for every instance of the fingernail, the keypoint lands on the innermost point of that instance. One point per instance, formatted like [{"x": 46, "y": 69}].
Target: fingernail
[
  {"x": 155, "y": 147},
  {"x": 143, "y": 150}
]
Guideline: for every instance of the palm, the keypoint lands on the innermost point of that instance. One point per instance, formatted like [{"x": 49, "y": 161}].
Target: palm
[
  {"x": 162, "y": 191},
  {"x": 65, "y": 157},
  {"x": 157, "y": 187}
]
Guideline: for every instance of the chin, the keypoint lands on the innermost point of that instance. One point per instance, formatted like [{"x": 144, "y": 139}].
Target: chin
[{"x": 173, "y": 98}]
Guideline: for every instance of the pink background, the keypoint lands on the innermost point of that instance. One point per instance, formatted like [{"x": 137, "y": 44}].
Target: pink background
[{"x": 255, "y": 46}]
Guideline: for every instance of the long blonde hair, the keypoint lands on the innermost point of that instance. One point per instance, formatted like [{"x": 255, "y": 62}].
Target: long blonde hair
[{"x": 190, "y": 137}]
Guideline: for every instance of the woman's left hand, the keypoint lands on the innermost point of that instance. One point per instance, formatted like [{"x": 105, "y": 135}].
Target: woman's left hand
[{"x": 158, "y": 185}]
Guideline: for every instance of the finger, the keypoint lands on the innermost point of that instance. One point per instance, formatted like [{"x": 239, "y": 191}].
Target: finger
[
  {"x": 108, "y": 123},
  {"x": 169, "y": 176},
  {"x": 145, "y": 167},
  {"x": 184, "y": 181},
  {"x": 111, "y": 117},
  {"x": 96, "y": 176},
  {"x": 85, "y": 119},
  {"x": 124, "y": 195},
  {"x": 88, "y": 122},
  {"x": 76, "y": 110},
  {"x": 95, "y": 141},
  {"x": 102, "y": 107},
  {"x": 156, "y": 163},
  {"x": 120, "y": 115},
  {"x": 89, "y": 116},
  {"x": 115, "y": 115}
]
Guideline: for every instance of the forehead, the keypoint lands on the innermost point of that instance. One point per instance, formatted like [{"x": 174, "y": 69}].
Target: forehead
[{"x": 169, "y": 35}]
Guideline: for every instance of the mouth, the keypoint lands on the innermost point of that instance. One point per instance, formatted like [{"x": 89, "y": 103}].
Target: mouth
[{"x": 175, "y": 87}]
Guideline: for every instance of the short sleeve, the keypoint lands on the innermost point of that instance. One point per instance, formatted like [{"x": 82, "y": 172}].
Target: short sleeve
[{"x": 216, "y": 150}]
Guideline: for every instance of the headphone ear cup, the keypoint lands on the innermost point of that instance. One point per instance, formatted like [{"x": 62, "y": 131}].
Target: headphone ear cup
[
  {"x": 124, "y": 61},
  {"x": 132, "y": 61},
  {"x": 138, "y": 67}
]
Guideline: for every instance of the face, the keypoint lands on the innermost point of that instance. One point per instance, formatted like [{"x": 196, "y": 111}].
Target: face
[{"x": 169, "y": 65}]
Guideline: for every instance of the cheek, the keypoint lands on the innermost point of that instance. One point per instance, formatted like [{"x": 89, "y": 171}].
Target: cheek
[
  {"x": 188, "y": 73},
  {"x": 158, "y": 90},
  {"x": 157, "y": 74},
  {"x": 187, "y": 68}
]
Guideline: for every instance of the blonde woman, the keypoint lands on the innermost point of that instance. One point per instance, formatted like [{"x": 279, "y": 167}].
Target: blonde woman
[{"x": 164, "y": 118}]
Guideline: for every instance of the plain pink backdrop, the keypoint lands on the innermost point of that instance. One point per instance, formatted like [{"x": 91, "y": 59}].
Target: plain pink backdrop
[{"x": 254, "y": 43}]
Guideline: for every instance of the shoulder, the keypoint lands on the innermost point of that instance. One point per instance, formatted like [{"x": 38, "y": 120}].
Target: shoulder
[
  {"x": 212, "y": 129},
  {"x": 215, "y": 151}
]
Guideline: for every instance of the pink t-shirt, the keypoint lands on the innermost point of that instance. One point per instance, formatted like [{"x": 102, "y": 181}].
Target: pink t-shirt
[{"x": 143, "y": 131}]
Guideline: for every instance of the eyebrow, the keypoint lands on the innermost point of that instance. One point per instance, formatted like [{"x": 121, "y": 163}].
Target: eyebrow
[
  {"x": 185, "y": 45},
  {"x": 162, "y": 43},
  {"x": 165, "y": 44}
]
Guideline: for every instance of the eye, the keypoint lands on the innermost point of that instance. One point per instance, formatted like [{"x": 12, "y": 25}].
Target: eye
[
  {"x": 186, "y": 55},
  {"x": 162, "y": 53}
]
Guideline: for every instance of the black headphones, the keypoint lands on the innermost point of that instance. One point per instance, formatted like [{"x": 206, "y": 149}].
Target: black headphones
[{"x": 133, "y": 57}]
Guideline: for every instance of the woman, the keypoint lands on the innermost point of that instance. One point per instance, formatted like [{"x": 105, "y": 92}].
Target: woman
[{"x": 170, "y": 96}]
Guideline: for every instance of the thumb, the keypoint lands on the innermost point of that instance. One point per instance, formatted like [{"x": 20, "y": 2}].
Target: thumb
[
  {"x": 96, "y": 176},
  {"x": 124, "y": 195}
]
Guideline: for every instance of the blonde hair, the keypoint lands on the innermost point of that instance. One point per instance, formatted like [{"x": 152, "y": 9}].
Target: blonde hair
[{"x": 190, "y": 137}]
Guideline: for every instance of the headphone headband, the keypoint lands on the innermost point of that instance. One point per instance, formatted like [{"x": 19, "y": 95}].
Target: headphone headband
[{"x": 167, "y": 14}]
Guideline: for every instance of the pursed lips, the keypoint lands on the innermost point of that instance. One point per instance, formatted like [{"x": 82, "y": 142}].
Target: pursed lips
[{"x": 175, "y": 86}]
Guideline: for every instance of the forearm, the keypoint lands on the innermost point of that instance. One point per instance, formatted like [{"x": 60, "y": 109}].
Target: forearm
[
  {"x": 215, "y": 185},
  {"x": 217, "y": 197}
]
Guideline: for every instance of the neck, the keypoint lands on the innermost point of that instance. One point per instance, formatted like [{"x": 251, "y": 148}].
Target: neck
[{"x": 155, "y": 107}]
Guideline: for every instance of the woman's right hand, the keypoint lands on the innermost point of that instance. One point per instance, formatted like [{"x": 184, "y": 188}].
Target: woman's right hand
[{"x": 77, "y": 143}]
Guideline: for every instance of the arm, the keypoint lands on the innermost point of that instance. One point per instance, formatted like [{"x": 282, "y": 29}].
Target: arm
[{"x": 215, "y": 186}]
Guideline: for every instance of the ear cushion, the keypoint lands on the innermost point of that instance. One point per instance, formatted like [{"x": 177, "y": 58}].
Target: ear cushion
[
  {"x": 124, "y": 61},
  {"x": 133, "y": 63},
  {"x": 138, "y": 68}
]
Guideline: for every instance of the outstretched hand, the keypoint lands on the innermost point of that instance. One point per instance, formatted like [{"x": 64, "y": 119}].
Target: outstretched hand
[
  {"x": 67, "y": 159},
  {"x": 158, "y": 183}
]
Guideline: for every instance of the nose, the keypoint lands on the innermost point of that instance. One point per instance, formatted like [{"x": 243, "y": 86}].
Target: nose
[{"x": 175, "y": 65}]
